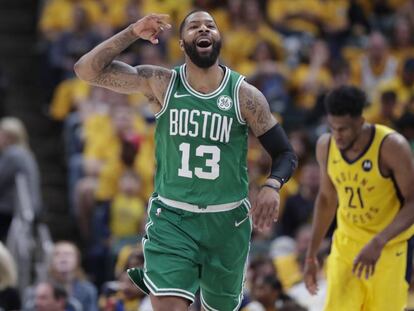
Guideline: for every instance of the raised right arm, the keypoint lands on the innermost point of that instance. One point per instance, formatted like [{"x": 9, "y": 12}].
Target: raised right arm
[{"x": 98, "y": 66}]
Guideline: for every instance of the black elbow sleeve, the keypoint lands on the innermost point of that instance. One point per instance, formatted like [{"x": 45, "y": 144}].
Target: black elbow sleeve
[{"x": 284, "y": 160}]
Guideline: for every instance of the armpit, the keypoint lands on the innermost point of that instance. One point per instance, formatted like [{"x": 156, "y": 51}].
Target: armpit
[{"x": 158, "y": 78}]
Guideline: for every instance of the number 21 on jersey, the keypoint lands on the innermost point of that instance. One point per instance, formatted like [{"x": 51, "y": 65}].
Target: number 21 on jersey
[
  {"x": 212, "y": 154},
  {"x": 353, "y": 194}
]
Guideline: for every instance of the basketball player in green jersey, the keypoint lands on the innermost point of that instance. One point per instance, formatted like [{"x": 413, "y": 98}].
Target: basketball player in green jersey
[
  {"x": 367, "y": 181},
  {"x": 198, "y": 229}
]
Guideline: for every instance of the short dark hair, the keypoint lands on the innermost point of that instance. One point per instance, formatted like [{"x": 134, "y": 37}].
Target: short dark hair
[
  {"x": 388, "y": 96},
  {"x": 182, "y": 25},
  {"x": 409, "y": 65},
  {"x": 345, "y": 100},
  {"x": 59, "y": 292}
]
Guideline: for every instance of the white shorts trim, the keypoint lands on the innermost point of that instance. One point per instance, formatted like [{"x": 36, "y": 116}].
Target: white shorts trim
[{"x": 197, "y": 209}]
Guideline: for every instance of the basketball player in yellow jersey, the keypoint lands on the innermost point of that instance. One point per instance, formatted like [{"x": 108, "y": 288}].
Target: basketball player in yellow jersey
[{"x": 367, "y": 180}]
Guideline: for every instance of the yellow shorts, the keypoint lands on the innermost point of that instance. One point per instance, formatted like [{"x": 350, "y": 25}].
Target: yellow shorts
[{"x": 386, "y": 290}]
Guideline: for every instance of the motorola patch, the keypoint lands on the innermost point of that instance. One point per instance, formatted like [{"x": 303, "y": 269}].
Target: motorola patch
[{"x": 367, "y": 165}]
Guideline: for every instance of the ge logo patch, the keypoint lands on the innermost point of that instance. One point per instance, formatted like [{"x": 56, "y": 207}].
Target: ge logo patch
[
  {"x": 367, "y": 165},
  {"x": 224, "y": 102}
]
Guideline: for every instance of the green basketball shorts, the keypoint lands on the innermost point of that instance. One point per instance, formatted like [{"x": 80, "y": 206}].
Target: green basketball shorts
[{"x": 189, "y": 250}]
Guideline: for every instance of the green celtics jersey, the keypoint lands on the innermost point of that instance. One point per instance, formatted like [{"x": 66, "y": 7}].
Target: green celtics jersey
[{"x": 201, "y": 143}]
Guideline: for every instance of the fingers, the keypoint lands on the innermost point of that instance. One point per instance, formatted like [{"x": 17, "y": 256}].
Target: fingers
[
  {"x": 359, "y": 267},
  {"x": 162, "y": 20},
  {"x": 262, "y": 216},
  {"x": 161, "y": 17},
  {"x": 257, "y": 213},
  {"x": 311, "y": 284},
  {"x": 152, "y": 25},
  {"x": 368, "y": 271},
  {"x": 265, "y": 211}
]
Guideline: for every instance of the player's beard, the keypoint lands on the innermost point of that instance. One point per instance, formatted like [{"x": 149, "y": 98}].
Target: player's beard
[{"x": 203, "y": 61}]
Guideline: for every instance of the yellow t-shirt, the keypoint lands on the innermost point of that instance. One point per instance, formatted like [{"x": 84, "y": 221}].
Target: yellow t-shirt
[
  {"x": 368, "y": 201},
  {"x": 238, "y": 45},
  {"x": 66, "y": 94},
  {"x": 144, "y": 165},
  {"x": 378, "y": 118},
  {"x": 57, "y": 15},
  {"x": 403, "y": 92},
  {"x": 279, "y": 9},
  {"x": 335, "y": 14},
  {"x": 126, "y": 215},
  {"x": 288, "y": 270},
  {"x": 102, "y": 144},
  {"x": 307, "y": 98}
]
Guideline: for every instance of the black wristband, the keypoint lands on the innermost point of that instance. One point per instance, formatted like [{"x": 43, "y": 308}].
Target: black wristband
[
  {"x": 271, "y": 186},
  {"x": 284, "y": 160}
]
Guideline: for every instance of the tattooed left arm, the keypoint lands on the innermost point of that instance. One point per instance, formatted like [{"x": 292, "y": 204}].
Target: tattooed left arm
[{"x": 255, "y": 109}]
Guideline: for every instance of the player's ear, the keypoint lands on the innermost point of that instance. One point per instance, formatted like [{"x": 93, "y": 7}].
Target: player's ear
[{"x": 181, "y": 42}]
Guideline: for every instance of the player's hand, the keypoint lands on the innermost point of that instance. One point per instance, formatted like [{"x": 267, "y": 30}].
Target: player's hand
[
  {"x": 367, "y": 259},
  {"x": 310, "y": 275},
  {"x": 265, "y": 211},
  {"x": 150, "y": 26}
]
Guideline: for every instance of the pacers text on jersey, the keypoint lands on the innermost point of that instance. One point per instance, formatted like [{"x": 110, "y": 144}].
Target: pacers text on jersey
[{"x": 196, "y": 123}]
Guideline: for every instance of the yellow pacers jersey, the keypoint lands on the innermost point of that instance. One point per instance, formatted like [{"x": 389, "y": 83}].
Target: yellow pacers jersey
[{"x": 368, "y": 201}]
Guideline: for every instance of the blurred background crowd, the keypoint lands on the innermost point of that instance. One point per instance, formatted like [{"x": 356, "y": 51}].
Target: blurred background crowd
[{"x": 68, "y": 249}]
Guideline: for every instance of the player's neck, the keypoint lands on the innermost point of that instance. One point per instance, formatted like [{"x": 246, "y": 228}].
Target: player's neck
[
  {"x": 361, "y": 141},
  {"x": 204, "y": 80}
]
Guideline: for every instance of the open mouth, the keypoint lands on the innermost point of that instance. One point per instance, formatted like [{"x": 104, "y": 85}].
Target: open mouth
[{"x": 204, "y": 44}]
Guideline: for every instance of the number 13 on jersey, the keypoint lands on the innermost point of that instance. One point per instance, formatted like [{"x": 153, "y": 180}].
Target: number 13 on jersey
[{"x": 212, "y": 155}]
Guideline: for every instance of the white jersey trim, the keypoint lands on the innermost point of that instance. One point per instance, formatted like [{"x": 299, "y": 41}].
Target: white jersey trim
[
  {"x": 201, "y": 95},
  {"x": 237, "y": 102},
  {"x": 167, "y": 94}
]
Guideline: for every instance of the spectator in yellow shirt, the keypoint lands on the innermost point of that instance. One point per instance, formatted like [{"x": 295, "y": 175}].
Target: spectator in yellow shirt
[
  {"x": 386, "y": 113},
  {"x": 66, "y": 97},
  {"x": 73, "y": 43},
  {"x": 127, "y": 212},
  {"x": 402, "y": 86},
  {"x": 309, "y": 80},
  {"x": 375, "y": 66},
  {"x": 57, "y": 16},
  {"x": 106, "y": 157},
  {"x": 239, "y": 44},
  {"x": 295, "y": 16},
  {"x": 402, "y": 41}
]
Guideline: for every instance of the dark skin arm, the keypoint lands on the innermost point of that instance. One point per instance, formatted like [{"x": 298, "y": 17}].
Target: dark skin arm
[
  {"x": 255, "y": 110},
  {"x": 99, "y": 68},
  {"x": 396, "y": 160},
  {"x": 324, "y": 213}
]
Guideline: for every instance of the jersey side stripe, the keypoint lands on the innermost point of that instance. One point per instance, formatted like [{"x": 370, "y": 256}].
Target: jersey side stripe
[
  {"x": 236, "y": 99},
  {"x": 167, "y": 94}
]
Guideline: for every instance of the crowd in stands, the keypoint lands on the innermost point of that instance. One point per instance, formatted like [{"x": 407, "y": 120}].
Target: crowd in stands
[{"x": 294, "y": 51}]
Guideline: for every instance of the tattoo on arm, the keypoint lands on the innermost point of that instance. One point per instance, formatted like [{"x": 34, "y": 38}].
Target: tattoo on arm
[
  {"x": 102, "y": 59},
  {"x": 145, "y": 72},
  {"x": 96, "y": 61},
  {"x": 119, "y": 77},
  {"x": 255, "y": 109},
  {"x": 148, "y": 79}
]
